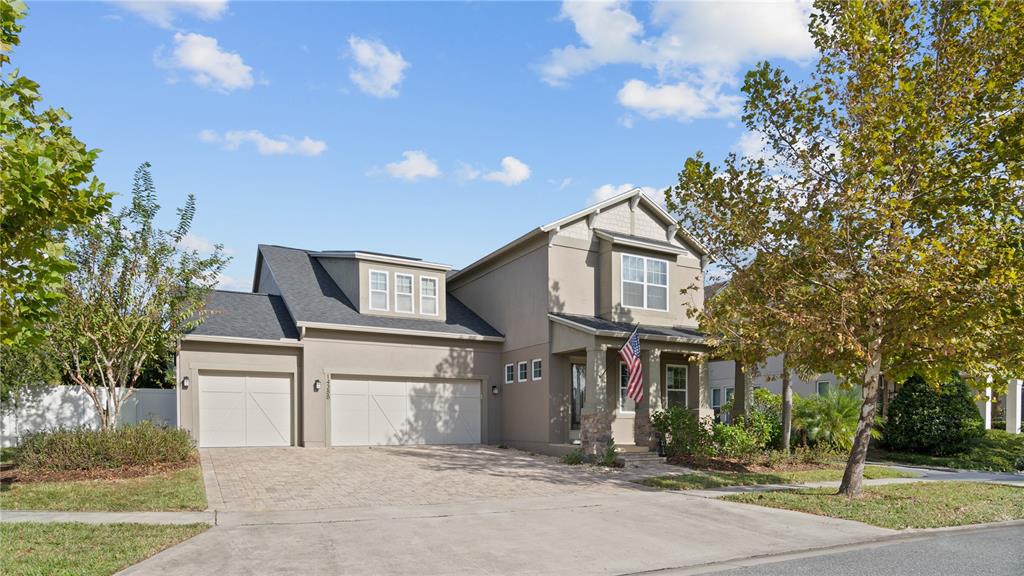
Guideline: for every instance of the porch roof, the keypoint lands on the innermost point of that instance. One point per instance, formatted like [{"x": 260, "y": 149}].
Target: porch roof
[{"x": 602, "y": 327}]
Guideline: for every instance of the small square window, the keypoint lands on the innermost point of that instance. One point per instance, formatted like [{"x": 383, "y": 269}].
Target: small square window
[
  {"x": 522, "y": 372},
  {"x": 823, "y": 387},
  {"x": 537, "y": 369},
  {"x": 510, "y": 373}
]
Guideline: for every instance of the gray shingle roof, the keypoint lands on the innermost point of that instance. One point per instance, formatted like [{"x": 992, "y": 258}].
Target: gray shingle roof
[
  {"x": 245, "y": 315},
  {"x": 313, "y": 296},
  {"x": 645, "y": 330}
]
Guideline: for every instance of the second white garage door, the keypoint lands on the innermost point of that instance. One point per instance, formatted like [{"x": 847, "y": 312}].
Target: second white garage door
[
  {"x": 244, "y": 410},
  {"x": 373, "y": 412}
]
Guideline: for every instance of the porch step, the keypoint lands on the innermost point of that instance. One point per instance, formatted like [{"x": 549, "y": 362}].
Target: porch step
[{"x": 639, "y": 458}]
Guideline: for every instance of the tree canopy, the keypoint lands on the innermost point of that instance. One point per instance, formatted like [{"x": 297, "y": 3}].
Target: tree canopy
[
  {"x": 879, "y": 229},
  {"x": 46, "y": 188}
]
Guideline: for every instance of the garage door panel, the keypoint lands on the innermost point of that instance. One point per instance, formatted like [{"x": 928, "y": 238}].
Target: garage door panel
[
  {"x": 341, "y": 387},
  {"x": 244, "y": 411},
  {"x": 403, "y": 412}
]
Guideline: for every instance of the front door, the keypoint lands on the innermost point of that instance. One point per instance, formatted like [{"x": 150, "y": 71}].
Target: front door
[{"x": 579, "y": 391}]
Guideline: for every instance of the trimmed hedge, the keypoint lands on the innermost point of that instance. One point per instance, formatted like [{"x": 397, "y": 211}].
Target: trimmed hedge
[
  {"x": 140, "y": 444},
  {"x": 934, "y": 420}
]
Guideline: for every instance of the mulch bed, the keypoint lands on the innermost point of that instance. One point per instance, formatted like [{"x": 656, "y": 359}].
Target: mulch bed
[
  {"x": 737, "y": 465},
  {"x": 10, "y": 474}
]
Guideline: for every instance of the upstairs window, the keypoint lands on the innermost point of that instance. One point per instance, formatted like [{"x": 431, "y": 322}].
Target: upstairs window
[
  {"x": 537, "y": 369},
  {"x": 644, "y": 282},
  {"x": 428, "y": 296},
  {"x": 378, "y": 290},
  {"x": 403, "y": 293}
]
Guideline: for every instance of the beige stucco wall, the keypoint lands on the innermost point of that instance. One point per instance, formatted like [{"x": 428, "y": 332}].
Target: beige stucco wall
[
  {"x": 526, "y": 415},
  {"x": 333, "y": 354},
  {"x": 353, "y": 277},
  {"x": 197, "y": 358},
  {"x": 684, "y": 273}
]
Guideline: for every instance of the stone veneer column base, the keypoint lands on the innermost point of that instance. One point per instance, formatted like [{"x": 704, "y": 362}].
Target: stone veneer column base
[
  {"x": 595, "y": 431},
  {"x": 643, "y": 430}
]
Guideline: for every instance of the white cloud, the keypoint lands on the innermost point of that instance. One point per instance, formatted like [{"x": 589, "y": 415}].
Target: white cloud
[
  {"x": 696, "y": 49},
  {"x": 681, "y": 101},
  {"x": 416, "y": 165},
  {"x": 561, "y": 184},
  {"x": 200, "y": 244},
  {"x": 225, "y": 282},
  {"x": 467, "y": 172},
  {"x": 210, "y": 66},
  {"x": 602, "y": 193},
  {"x": 379, "y": 70},
  {"x": 751, "y": 145},
  {"x": 164, "y": 13},
  {"x": 513, "y": 171},
  {"x": 265, "y": 145}
]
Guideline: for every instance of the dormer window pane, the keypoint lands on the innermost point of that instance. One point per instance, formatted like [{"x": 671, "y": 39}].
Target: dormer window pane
[
  {"x": 378, "y": 290},
  {"x": 428, "y": 296},
  {"x": 403, "y": 293}
]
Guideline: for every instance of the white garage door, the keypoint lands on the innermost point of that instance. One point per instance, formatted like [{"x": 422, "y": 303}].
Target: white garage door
[
  {"x": 244, "y": 411},
  {"x": 371, "y": 412}
]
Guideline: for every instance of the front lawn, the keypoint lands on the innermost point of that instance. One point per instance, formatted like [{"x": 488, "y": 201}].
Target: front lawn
[
  {"x": 899, "y": 506},
  {"x": 998, "y": 451},
  {"x": 84, "y": 549},
  {"x": 719, "y": 479},
  {"x": 176, "y": 490}
]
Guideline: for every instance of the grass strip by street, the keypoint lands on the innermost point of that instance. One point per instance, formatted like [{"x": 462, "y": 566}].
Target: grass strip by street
[
  {"x": 720, "y": 479},
  {"x": 178, "y": 490},
  {"x": 899, "y": 506},
  {"x": 998, "y": 451},
  {"x": 31, "y": 549}
]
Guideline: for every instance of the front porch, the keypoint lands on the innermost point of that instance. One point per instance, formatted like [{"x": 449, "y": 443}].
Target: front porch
[{"x": 586, "y": 353}]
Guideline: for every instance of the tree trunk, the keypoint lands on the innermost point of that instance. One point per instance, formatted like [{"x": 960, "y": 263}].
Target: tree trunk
[
  {"x": 787, "y": 407},
  {"x": 853, "y": 477}
]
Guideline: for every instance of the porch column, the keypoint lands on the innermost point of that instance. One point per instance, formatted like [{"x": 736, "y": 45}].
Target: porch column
[
  {"x": 704, "y": 409},
  {"x": 985, "y": 407},
  {"x": 1013, "y": 401},
  {"x": 596, "y": 418},
  {"x": 643, "y": 430}
]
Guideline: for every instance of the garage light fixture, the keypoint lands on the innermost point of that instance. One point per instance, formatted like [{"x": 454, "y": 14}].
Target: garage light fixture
[
  {"x": 495, "y": 390},
  {"x": 184, "y": 383},
  {"x": 316, "y": 386}
]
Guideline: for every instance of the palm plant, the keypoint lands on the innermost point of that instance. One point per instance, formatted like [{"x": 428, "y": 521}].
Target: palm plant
[{"x": 829, "y": 419}]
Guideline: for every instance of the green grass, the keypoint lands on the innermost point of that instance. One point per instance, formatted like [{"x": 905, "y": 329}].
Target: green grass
[
  {"x": 999, "y": 451},
  {"x": 715, "y": 479},
  {"x": 7, "y": 454},
  {"x": 899, "y": 506},
  {"x": 32, "y": 549},
  {"x": 179, "y": 490}
]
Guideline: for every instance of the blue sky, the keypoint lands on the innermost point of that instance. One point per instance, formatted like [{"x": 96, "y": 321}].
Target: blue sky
[{"x": 433, "y": 130}]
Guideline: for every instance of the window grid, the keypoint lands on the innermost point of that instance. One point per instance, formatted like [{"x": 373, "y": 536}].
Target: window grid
[
  {"x": 403, "y": 293},
  {"x": 676, "y": 379},
  {"x": 510, "y": 373},
  {"x": 625, "y": 403},
  {"x": 428, "y": 296},
  {"x": 378, "y": 290},
  {"x": 522, "y": 371},
  {"x": 537, "y": 369},
  {"x": 644, "y": 282}
]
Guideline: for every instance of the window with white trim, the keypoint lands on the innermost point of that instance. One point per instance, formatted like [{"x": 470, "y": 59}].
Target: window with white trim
[
  {"x": 510, "y": 373},
  {"x": 644, "y": 282},
  {"x": 403, "y": 293},
  {"x": 626, "y": 404},
  {"x": 378, "y": 290},
  {"x": 822, "y": 387},
  {"x": 428, "y": 296},
  {"x": 675, "y": 386},
  {"x": 536, "y": 369},
  {"x": 522, "y": 371}
]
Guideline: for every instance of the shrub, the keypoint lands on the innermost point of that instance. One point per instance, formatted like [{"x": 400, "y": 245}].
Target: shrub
[
  {"x": 764, "y": 422},
  {"x": 829, "y": 419},
  {"x": 573, "y": 458},
  {"x": 684, "y": 434},
  {"x": 935, "y": 420},
  {"x": 733, "y": 440},
  {"x": 609, "y": 457},
  {"x": 140, "y": 444}
]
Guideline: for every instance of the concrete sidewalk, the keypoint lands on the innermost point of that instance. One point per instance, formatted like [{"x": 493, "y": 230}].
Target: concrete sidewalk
[{"x": 208, "y": 517}]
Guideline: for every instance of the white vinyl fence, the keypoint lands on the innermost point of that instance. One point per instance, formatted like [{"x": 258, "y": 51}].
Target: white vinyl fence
[{"x": 62, "y": 406}]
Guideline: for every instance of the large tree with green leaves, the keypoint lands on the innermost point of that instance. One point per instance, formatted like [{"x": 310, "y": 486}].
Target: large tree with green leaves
[
  {"x": 46, "y": 187},
  {"x": 881, "y": 229},
  {"x": 133, "y": 292}
]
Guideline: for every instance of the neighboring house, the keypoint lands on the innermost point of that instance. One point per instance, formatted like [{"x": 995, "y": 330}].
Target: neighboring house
[{"x": 518, "y": 348}]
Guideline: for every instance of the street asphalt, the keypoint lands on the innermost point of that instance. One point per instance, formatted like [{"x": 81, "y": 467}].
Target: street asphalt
[{"x": 982, "y": 552}]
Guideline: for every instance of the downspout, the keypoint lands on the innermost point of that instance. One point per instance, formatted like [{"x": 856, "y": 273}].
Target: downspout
[{"x": 177, "y": 383}]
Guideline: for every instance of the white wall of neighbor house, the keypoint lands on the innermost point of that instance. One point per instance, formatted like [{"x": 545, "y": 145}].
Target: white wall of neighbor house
[{"x": 63, "y": 406}]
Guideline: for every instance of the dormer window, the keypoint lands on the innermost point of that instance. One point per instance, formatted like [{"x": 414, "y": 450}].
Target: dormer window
[
  {"x": 403, "y": 293},
  {"x": 428, "y": 296},
  {"x": 644, "y": 282},
  {"x": 379, "y": 290}
]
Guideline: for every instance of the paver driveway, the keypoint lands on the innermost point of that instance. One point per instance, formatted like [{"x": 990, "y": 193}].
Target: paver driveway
[{"x": 258, "y": 479}]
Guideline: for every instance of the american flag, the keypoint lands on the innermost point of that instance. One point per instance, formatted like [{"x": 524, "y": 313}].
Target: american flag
[{"x": 630, "y": 353}]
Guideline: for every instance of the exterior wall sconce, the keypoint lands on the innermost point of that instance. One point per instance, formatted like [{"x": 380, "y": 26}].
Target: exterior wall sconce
[
  {"x": 316, "y": 385},
  {"x": 495, "y": 390},
  {"x": 184, "y": 383}
]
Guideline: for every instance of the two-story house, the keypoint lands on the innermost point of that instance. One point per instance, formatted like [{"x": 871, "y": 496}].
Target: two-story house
[{"x": 520, "y": 347}]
